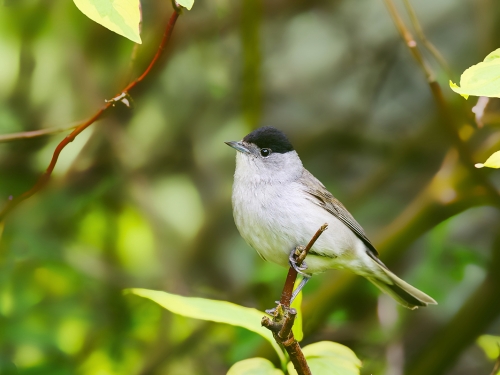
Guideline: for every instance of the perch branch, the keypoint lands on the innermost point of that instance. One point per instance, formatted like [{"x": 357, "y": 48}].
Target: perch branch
[
  {"x": 300, "y": 253},
  {"x": 284, "y": 316},
  {"x": 121, "y": 97}
]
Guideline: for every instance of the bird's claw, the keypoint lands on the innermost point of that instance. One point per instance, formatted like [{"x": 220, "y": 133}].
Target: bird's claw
[
  {"x": 273, "y": 310},
  {"x": 270, "y": 311},
  {"x": 293, "y": 262}
]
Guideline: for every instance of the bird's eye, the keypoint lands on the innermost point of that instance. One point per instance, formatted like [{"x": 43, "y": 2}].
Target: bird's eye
[{"x": 265, "y": 152}]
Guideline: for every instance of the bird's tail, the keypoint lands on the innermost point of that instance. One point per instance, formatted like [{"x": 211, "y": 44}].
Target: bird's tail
[{"x": 400, "y": 290}]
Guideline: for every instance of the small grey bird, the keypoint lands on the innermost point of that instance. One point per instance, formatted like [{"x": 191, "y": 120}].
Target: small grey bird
[{"x": 278, "y": 205}]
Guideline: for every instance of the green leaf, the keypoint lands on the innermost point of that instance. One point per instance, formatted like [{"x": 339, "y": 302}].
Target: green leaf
[
  {"x": 297, "y": 324},
  {"x": 121, "y": 16},
  {"x": 482, "y": 79},
  {"x": 329, "y": 358},
  {"x": 491, "y": 345},
  {"x": 188, "y": 4},
  {"x": 492, "y": 162},
  {"x": 493, "y": 55},
  {"x": 212, "y": 310},
  {"x": 457, "y": 89},
  {"x": 254, "y": 366}
]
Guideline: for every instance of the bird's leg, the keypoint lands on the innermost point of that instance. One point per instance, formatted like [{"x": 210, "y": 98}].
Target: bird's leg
[
  {"x": 297, "y": 290},
  {"x": 294, "y": 255},
  {"x": 303, "y": 282},
  {"x": 293, "y": 262}
]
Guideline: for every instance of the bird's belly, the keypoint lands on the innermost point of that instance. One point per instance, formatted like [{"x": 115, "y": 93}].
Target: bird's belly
[{"x": 275, "y": 227}]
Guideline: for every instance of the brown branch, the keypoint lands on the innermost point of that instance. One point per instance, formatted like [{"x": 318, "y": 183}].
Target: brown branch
[
  {"x": 282, "y": 333},
  {"x": 284, "y": 316},
  {"x": 420, "y": 32},
  {"x": 122, "y": 96},
  {"x": 34, "y": 134},
  {"x": 301, "y": 254}
]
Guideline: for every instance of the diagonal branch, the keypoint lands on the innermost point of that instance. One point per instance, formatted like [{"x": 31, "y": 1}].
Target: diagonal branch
[
  {"x": 301, "y": 254},
  {"x": 122, "y": 97},
  {"x": 449, "y": 122},
  {"x": 284, "y": 316},
  {"x": 431, "y": 47}
]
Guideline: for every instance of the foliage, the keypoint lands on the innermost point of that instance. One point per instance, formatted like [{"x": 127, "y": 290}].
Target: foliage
[
  {"x": 491, "y": 345},
  {"x": 254, "y": 366},
  {"x": 323, "y": 357},
  {"x": 141, "y": 199},
  {"x": 492, "y": 162},
  {"x": 482, "y": 79},
  {"x": 326, "y": 357},
  {"x": 216, "y": 311},
  {"x": 298, "y": 333},
  {"x": 188, "y": 4},
  {"x": 122, "y": 17}
]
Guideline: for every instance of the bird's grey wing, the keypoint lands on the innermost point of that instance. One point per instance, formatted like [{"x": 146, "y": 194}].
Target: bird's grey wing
[{"x": 325, "y": 199}]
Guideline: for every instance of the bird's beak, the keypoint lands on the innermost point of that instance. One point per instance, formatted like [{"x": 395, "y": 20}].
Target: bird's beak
[{"x": 238, "y": 146}]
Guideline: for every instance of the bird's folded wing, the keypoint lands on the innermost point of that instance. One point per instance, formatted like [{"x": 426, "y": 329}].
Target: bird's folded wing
[{"x": 325, "y": 199}]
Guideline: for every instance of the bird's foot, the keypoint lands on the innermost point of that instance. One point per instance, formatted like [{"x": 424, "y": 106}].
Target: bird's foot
[
  {"x": 273, "y": 310},
  {"x": 293, "y": 261}
]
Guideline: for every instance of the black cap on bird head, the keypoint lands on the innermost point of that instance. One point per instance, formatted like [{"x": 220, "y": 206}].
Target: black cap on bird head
[{"x": 269, "y": 137}]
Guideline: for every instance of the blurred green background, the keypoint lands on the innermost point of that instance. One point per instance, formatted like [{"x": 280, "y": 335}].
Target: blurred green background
[{"x": 142, "y": 198}]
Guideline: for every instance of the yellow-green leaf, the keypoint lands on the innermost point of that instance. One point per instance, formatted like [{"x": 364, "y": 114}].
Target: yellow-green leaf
[
  {"x": 492, "y": 162},
  {"x": 121, "y": 16},
  {"x": 188, "y": 4},
  {"x": 297, "y": 324},
  {"x": 482, "y": 79},
  {"x": 212, "y": 310},
  {"x": 457, "y": 89},
  {"x": 254, "y": 366},
  {"x": 491, "y": 345},
  {"x": 326, "y": 358}
]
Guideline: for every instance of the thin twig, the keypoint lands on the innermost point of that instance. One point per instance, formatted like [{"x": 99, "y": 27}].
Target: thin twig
[
  {"x": 35, "y": 133},
  {"x": 420, "y": 32},
  {"x": 122, "y": 96},
  {"x": 286, "y": 294},
  {"x": 448, "y": 119},
  {"x": 284, "y": 317},
  {"x": 304, "y": 253}
]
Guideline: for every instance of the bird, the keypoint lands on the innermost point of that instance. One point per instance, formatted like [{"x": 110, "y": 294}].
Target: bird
[{"x": 279, "y": 205}]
